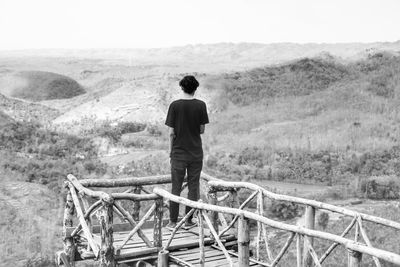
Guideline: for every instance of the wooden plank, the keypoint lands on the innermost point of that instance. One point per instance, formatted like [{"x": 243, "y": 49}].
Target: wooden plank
[
  {"x": 118, "y": 238},
  {"x": 180, "y": 262},
  {"x": 130, "y": 253},
  {"x": 222, "y": 262},
  {"x": 195, "y": 256},
  {"x": 190, "y": 251},
  {"x": 141, "y": 244}
]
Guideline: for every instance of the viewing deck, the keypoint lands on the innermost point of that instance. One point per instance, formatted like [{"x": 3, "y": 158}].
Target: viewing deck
[{"x": 220, "y": 238}]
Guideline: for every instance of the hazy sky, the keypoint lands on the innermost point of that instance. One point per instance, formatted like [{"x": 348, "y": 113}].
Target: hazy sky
[{"x": 161, "y": 23}]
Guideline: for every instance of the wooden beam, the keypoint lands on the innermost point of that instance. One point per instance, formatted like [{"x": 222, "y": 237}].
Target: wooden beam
[
  {"x": 137, "y": 227},
  {"x": 180, "y": 262},
  {"x": 177, "y": 227},
  {"x": 242, "y": 206},
  {"x": 163, "y": 259},
  {"x": 129, "y": 181},
  {"x": 136, "y": 204},
  {"x": 107, "y": 248},
  {"x": 284, "y": 249},
  {"x": 69, "y": 244},
  {"x": 133, "y": 223},
  {"x": 212, "y": 199},
  {"x": 366, "y": 239},
  {"x": 355, "y": 259},
  {"x": 82, "y": 221},
  {"x": 216, "y": 237},
  {"x": 117, "y": 227},
  {"x": 158, "y": 220},
  {"x": 334, "y": 245}
]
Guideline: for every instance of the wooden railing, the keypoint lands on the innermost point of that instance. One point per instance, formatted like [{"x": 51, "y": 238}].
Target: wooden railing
[
  {"x": 308, "y": 256},
  {"x": 90, "y": 206},
  {"x": 306, "y": 233},
  {"x": 104, "y": 206}
]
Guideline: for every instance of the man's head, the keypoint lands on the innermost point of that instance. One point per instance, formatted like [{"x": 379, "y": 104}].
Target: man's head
[{"x": 189, "y": 84}]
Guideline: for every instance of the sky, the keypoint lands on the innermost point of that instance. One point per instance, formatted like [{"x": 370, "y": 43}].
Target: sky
[{"x": 27, "y": 24}]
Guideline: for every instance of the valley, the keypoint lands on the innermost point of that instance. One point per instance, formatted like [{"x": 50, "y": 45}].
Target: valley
[{"x": 318, "y": 121}]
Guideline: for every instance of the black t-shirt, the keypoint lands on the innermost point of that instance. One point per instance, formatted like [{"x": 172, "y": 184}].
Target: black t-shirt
[{"x": 186, "y": 116}]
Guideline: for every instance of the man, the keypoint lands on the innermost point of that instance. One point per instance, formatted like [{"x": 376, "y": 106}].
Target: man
[{"x": 186, "y": 118}]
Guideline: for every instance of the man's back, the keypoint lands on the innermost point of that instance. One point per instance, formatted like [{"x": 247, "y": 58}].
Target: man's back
[{"x": 186, "y": 116}]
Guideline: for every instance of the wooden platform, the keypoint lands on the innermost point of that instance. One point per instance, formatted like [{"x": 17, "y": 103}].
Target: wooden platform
[
  {"x": 213, "y": 257},
  {"x": 185, "y": 245}
]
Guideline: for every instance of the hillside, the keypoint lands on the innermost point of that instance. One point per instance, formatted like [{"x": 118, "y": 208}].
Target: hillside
[
  {"x": 301, "y": 77},
  {"x": 334, "y": 134},
  {"x": 26, "y": 111},
  {"x": 41, "y": 85}
]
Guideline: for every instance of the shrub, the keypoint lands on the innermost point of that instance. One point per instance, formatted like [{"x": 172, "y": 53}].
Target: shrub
[
  {"x": 284, "y": 210},
  {"x": 381, "y": 187},
  {"x": 323, "y": 220}
]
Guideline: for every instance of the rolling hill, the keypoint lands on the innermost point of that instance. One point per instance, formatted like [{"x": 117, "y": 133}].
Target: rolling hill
[{"x": 41, "y": 85}]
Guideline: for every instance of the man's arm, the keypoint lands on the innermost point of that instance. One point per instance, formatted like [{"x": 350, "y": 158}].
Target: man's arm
[
  {"x": 171, "y": 138},
  {"x": 202, "y": 128}
]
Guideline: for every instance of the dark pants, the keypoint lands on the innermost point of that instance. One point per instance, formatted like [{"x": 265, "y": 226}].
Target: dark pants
[{"x": 178, "y": 170}]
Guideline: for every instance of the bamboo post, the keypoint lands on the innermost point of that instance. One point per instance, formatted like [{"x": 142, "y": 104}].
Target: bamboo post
[
  {"x": 106, "y": 233},
  {"x": 201, "y": 238},
  {"x": 86, "y": 206},
  {"x": 243, "y": 242},
  {"x": 158, "y": 218},
  {"x": 260, "y": 212},
  {"x": 354, "y": 259},
  {"x": 309, "y": 223},
  {"x": 136, "y": 204},
  {"x": 212, "y": 198},
  {"x": 69, "y": 244},
  {"x": 298, "y": 251},
  {"x": 163, "y": 258}
]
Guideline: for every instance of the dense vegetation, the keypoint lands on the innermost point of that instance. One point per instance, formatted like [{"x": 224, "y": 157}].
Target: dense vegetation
[
  {"x": 45, "y": 156},
  {"x": 41, "y": 85}
]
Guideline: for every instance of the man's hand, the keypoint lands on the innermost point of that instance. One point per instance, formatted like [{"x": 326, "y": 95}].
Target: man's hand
[{"x": 202, "y": 128}]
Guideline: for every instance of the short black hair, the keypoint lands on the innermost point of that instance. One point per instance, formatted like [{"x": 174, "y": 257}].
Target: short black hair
[{"x": 189, "y": 84}]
